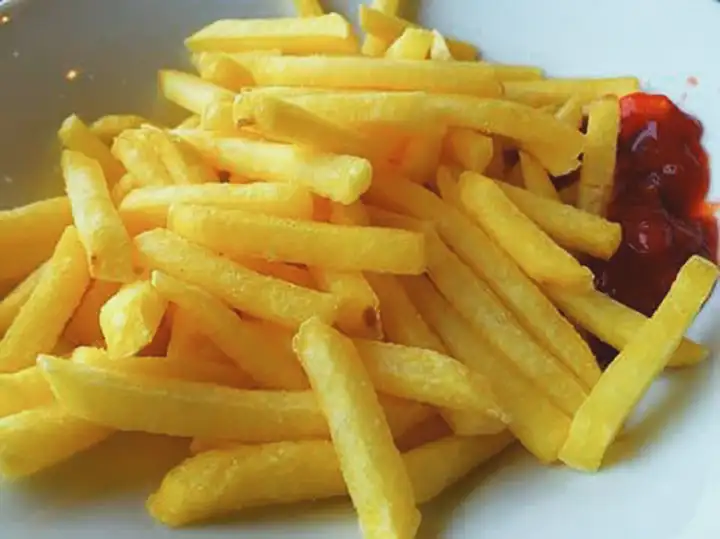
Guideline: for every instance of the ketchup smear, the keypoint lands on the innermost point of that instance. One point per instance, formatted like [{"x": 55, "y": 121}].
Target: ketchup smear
[{"x": 661, "y": 180}]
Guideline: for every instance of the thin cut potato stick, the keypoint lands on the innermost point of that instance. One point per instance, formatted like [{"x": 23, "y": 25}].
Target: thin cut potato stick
[
  {"x": 470, "y": 149},
  {"x": 106, "y": 241},
  {"x": 222, "y": 70},
  {"x": 84, "y": 329},
  {"x": 78, "y": 137},
  {"x": 375, "y": 46},
  {"x": 557, "y": 91},
  {"x": 536, "y": 178},
  {"x": 440, "y": 49},
  {"x": 497, "y": 167},
  {"x": 341, "y": 247},
  {"x": 308, "y": 8},
  {"x": 218, "y": 483},
  {"x": 136, "y": 149},
  {"x": 30, "y": 233},
  {"x": 326, "y": 34},
  {"x": 342, "y": 178},
  {"x": 598, "y": 171},
  {"x": 422, "y": 154},
  {"x": 187, "y": 343},
  {"x": 371, "y": 465},
  {"x": 616, "y": 324},
  {"x": 147, "y": 208},
  {"x": 11, "y": 304},
  {"x": 124, "y": 187},
  {"x": 630, "y": 375},
  {"x": 107, "y": 127},
  {"x": 532, "y": 249},
  {"x": 257, "y": 349},
  {"x": 569, "y": 194},
  {"x": 291, "y": 273},
  {"x": 446, "y": 181},
  {"x": 537, "y": 423},
  {"x": 570, "y": 227},
  {"x": 357, "y": 72},
  {"x": 191, "y": 122},
  {"x": 190, "y": 92},
  {"x": 217, "y": 117},
  {"x": 413, "y": 44},
  {"x": 571, "y": 112},
  {"x": 131, "y": 318},
  {"x": 245, "y": 290},
  {"x": 37, "y": 439},
  {"x": 23, "y": 390},
  {"x": 41, "y": 320},
  {"x": 529, "y": 305}
]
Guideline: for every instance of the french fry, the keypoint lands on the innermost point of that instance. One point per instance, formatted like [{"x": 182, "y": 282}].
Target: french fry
[
  {"x": 468, "y": 148},
  {"x": 358, "y": 72},
  {"x": 413, "y": 44},
  {"x": 30, "y": 233},
  {"x": 440, "y": 50},
  {"x": 371, "y": 465},
  {"x": 102, "y": 233},
  {"x": 386, "y": 27},
  {"x": 532, "y": 249},
  {"x": 557, "y": 91},
  {"x": 570, "y": 227},
  {"x": 259, "y": 350},
  {"x": 569, "y": 194},
  {"x": 529, "y": 305},
  {"x": 37, "y": 439},
  {"x": 11, "y": 304},
  {"x": 433, "y": 428},
  {"x": 191, "y": 122},
  {"x": 147, "y": 208},
  {"x": 354, "y": 248},
  {"x": 163, "y": 367},
  {"x": 630, "y": 375},
  {"x": 536, "y": 178},
  {"x": 23, "y": 390},
  {"x": 131, "y": 318},
  {"x": 537, "y": 423},
  {"x": 497, "y": 167},
  {"x": 41, "y": 320},
  {"x": 78, "y": 137},
  {"x": 124, "y": 187},
  {"x": 326, "y": 34},
  {"x": 180, "y": 408},
  {"x": 308, "y": 8},
  {"x": 374, "y": 46},
  {"x": 446, "y": 180},
  {"x": 291, "y": 273},
  {"x": 616, "y": 324},
  {"x": 84, "y": 329},
  {"x": 222, "y": 70},
  {"x": 217, "y": 116},
  {"x": 245, "y": 290},
  {"x": 598, "y": 171},
  {"x": 187, "y": 343},
  {"x": 107, "y": 127},
  {"x": 190, "y": 92},
  {"x": 571, "y": 112},
  {"x": 422, "y": 154},
  {"x": 342, "y": 178},
  {"x": 391, "y": 219}
]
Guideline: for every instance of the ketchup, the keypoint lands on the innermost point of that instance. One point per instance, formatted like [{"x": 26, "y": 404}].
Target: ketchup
[{"x": 661, "y": 180}]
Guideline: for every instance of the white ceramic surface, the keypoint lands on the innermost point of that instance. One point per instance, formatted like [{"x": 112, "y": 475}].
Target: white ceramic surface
[{"x": 662, "y": 480}]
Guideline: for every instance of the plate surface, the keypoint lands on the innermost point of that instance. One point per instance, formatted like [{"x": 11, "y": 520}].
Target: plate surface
[{"x": 663, "y": 478}]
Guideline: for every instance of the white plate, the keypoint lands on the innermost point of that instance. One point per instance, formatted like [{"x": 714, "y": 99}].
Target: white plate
[{"x": 664, "y": 479}]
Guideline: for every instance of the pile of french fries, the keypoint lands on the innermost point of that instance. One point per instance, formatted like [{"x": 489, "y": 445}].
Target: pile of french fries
[{"x": 348, "y": 271}]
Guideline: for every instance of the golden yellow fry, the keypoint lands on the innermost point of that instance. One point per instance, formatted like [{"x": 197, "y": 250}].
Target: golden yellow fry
[
  {"x": 358, "y": 72},
  {"x": 190, "y": 92},
  {"x": 572, "y": 228},
  {"x": 532, "y": 249},
  {"x": 422, "y": 154},
  {"x": 222, "y": 70},
  {"x": 569, "y": 194},
  {"x": 529, "y": 305},
  {"x": 469, "y": 149},
  {"x": 374, "y": 46},
  {"x": 326, "y": 34},
  {"x": 557, "y": 91},
  {"x": 342, "y": 247},
  {"x": 291, "y": 273},
  {"x": 106, "y": 241},
  {"x": 597, "y": 174},
  {"x": 258, "y": 349},
  {"x": 537, "y": 423},
  {"x": 123, "y": 187},
  {"x": 536, "y": 178},
  {"x": 413, "y": 44},
  {"x": 342, "y": 178},
  {"x": 386, "y": 27},
  {"x": 616, "y": 324},
  {"x": 497, "y": 167},
  {"x": 308, "y": 8},
  {"x": 23, "y": 390},
  {"x": 37, "y": 439},
  {"x": 440, "y": 50},
  {"x": 137, "y": 150},
  {"x": 245, "y": 290},
  {"x": 30, "y": 233},
  {"x": 191, "y": 122},
  {"x": 41, "y": 320},
  {"x": 571, "y": 112},
  {"x": 106, "y": 128},
  {"x": 349, "y": 214},
  {"x": 147, "y": 208},
  {"x": 180, "y": 408},
  {"x": 632, "y": 372},
  {"x": 391, "y": 219},
  {"x": 446, "y": 180},
  {"x": 217, "y": 116},
  {"x": 11, "y": 304},
  {"x": 83, "y": 329},
  {"x": 187, "y": 343},
  {"x": 371, "y": 465},
  {"x": 131, "y": 318},
  {"x": 190, "y": 369},
  {"x": 78, "y": 137}
]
